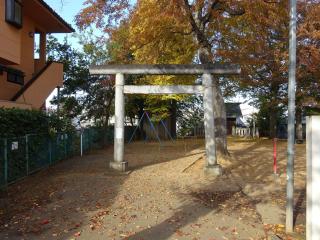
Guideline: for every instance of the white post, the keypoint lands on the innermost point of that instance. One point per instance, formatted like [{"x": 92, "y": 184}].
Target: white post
[
  {"x": 212, "y": 166},
  {"x": 118, "y": 162},
  {"x": 313, "y": 177}
]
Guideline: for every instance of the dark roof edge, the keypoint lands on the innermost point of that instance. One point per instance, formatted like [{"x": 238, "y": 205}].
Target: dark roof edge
[{"x": 57, "y": 15}]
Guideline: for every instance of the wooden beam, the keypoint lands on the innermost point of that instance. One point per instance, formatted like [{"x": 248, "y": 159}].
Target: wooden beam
[
  {"x": 166, "y": 69},
  {"x": 159, "y": 89}
]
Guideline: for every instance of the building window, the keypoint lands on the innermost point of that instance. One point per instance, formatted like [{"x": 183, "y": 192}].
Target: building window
[
  {"x": 14, "y": 12},
  {"x": 15, "y": 77}
]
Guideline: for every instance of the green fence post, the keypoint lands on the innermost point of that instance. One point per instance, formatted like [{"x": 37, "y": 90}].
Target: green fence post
[
  {"x": 27, "y": 154},
  {"x": 6, "y": 161}
]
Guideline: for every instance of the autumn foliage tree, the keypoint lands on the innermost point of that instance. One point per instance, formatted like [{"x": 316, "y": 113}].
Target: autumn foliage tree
[
  {"x": 308, "y": 71},
  {"x": 259, "y": 41},
  {"x": 251, "y": 33},
  {"x": 182, "y": 26}
]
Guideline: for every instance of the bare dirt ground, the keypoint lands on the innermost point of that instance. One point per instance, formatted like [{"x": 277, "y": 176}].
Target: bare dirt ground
[{"x": 166, "y": 195}]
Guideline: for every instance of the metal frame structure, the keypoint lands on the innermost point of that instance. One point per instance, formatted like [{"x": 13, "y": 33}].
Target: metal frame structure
[
  {"x": 152, "y": 127},
  {"x": 206, "y": 70}
]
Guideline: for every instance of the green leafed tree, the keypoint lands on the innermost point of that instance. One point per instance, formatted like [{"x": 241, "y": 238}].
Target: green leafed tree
[{"x": 83, "y": 97}]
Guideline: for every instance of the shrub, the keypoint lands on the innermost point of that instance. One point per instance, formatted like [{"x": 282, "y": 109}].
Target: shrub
[{"x": 18, "y": 122}]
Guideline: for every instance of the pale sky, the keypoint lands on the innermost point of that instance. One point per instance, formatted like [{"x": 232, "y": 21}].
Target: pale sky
[{"x": 67, "y": 9}]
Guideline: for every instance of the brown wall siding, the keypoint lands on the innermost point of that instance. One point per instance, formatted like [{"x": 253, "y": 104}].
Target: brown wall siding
[
  {"x": 7, "y": 89},
  {"x": 10, "y": 47},
  {"x": 9, "y": 104},
  {"x": 20, "y": 44},
  {"x": 27, "y": 50},
  {"x": 17, "y": 51},
  {"x": 47, "y": 81}
]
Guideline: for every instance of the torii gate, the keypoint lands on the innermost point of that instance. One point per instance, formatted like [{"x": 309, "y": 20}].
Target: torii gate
[{"x": 206, "y": 70}]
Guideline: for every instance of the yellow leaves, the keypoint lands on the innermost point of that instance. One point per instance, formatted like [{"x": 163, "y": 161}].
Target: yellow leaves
[
  {"x": 118, "y": 46},
  {"x": 157, "y": 34}
]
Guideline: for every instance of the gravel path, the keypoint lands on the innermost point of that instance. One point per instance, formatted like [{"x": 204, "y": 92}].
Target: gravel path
[{"x": 166, "y": 195}]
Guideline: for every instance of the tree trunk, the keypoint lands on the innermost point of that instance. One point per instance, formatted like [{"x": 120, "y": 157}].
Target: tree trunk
[
  {"x": 220, "y": 119},
  {"x": 273, "y": 123},
  {"x": 299, "y": 133},
  {"x": 219, "y": 109},
  {"x": 173, "y": 119},
  {"x": 198, "y": 23}
]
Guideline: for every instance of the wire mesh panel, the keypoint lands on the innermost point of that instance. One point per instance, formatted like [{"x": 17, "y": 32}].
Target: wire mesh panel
[
  {"x": 86, "y": 140},
  {"x": 73, "y": 144},
  {"x": 97, "y": 138},
  {"x": 38, "y": 152},
  {"x": 21, "y": 156},
  {"x": 3, "y": 158},
  {"x": 17, "y": 162},
  {"x": 69, "y": 144},
  {"x": 110, "y": 135},
  {"x": 59, "y": 147}
]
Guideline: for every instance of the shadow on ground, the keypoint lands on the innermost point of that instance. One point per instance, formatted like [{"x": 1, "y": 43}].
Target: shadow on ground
[
  {"x": 79, "y": 198},
  {"x": 58, "y": 201}
]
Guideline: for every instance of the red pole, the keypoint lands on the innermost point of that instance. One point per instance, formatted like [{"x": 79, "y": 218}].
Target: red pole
[{"x": 275, "y": 156}]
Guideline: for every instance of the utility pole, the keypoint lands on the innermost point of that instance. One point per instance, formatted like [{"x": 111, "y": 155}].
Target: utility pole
[{"x": 291, "y": 113}]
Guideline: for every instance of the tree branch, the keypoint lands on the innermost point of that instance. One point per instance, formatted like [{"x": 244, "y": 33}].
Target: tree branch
[
  {"x": 195, "y": 28},
  {"x": 217, "y": 5}
]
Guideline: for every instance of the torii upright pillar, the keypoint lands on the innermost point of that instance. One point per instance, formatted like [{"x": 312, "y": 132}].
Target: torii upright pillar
[
  {"x": 206, "y": 70},
  {"x": 212, "y": 166},
  {"x": 118, "y": 162}
]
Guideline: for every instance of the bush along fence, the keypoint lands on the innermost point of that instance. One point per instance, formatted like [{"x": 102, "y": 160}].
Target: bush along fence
[{"x": 22, "y": 156}]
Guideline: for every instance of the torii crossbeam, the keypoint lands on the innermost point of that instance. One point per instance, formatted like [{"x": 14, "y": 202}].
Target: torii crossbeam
[{"x": 206, "y": 70}]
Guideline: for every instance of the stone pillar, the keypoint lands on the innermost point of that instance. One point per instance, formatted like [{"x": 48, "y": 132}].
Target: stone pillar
[
  {"x": 212, "y": 166},
  {"x": 313, "y": 177},
  {"x": 118, "y": 162}
]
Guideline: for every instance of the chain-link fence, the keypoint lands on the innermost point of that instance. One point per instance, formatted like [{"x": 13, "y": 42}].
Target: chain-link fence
[{"x": 22, "y": 156}]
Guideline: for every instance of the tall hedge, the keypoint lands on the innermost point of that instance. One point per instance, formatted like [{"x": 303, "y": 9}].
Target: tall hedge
[{"x": 18, "y": 122}]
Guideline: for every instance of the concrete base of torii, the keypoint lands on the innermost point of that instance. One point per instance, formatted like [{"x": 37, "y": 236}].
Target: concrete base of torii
[
  {"x": 213, "y": 170},
  {"x": 119, "y": 166}
]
